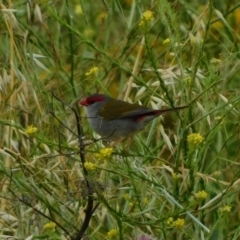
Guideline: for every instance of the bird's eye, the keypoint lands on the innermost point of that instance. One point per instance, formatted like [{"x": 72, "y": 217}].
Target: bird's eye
[{"x": 90, "y": 101}]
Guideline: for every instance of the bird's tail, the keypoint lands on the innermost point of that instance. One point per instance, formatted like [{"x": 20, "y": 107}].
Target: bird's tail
[{"x": 162, "y": 111}]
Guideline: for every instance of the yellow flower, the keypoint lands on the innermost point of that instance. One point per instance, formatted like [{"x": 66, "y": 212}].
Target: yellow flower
[
  {"x": 201, "y": 195},
  {"x": 49, "y": 226},
  {"x": 106, "y": 152},
  {"x": 236, "y": 15},
  {"x": 146, "y": 17},
  {"x": 30, "y": 130},
  {"x": 169, "y": 221},
  {"x": 103, "y": 153},
  {"x": 179, "y": 223},
  {"x": 217, "y": 25},
  {"x": 194, "y": 139},
  {"x": 90, "y": 166},
  {"x": 166, "y": 41},
  {"x": 112, "y": 233},
  {"x": 225, "y": 209},
  {"x": 92, "y": 72},
  {"x": 78, "y": 9},
  {"x": 215, "y": 61}
]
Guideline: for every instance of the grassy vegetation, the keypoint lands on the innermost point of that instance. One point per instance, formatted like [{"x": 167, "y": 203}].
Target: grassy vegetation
[{"x": 180, "y": 177}]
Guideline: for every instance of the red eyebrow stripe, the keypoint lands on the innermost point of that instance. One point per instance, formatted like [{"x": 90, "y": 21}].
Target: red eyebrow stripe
[
  {"x": 90, "y": 100},
  {"x": 95, "y": 99}
]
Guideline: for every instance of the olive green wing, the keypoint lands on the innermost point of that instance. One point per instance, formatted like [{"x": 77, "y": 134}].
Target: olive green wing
[{"x": 117, "y": 109}]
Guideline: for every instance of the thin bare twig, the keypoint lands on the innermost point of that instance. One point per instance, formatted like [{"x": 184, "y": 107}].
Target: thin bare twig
[{"x": 90, "y": 199}]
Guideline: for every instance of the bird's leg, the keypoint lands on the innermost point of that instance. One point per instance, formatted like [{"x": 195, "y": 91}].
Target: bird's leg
[{"x": 115, "y": 143}]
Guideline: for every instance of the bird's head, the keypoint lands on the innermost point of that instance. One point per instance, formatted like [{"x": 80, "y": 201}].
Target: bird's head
[{"x": 93, "y": 99}]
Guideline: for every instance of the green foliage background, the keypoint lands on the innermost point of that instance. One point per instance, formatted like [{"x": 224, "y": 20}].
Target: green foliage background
[{"x": 47, "y": 47}]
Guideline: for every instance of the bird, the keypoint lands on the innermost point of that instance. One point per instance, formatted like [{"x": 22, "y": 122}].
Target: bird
[{"x": 115, "y": 120}]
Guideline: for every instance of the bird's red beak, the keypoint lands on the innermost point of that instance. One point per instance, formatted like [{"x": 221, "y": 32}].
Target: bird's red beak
[{"x": 83, "y": 102}]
